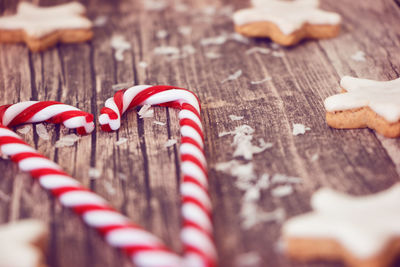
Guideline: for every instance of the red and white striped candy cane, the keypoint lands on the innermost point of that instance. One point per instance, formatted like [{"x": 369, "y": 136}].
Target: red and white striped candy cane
[
  {"x": 95, "y": 211},
  {"x": 197, "y": 232}
]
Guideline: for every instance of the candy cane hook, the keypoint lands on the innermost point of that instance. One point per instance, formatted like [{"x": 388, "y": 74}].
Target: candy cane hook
[
  {"x": 197, "y": 232},
  {"x": 95, "y": 211}
]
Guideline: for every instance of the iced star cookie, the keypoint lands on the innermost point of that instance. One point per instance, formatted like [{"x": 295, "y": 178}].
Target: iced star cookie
[
  {"x": 366, "y": 103},
  {"x": 43, "y": 27},
  {"x": 286, "y": 22},
  {"x": 23, "y": 244},
  {"x": 361, "y": 231}
]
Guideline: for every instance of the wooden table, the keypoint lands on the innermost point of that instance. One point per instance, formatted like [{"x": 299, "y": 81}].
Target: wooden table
[{"x": 141, "y": 177}]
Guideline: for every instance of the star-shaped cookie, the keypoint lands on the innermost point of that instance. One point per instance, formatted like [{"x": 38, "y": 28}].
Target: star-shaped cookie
[
  {"x": 23, "y": 243},
  {"x": 366, "y": 103},
  {"x": 361, "y": 231},
  {"x": 42, "y": 27},
  {"x": 286, "y": 22}
]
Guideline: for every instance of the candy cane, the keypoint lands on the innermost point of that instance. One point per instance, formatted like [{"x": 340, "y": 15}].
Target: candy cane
[
  {"x": 95, "y": 211},
  {"x": 196, "y": 233}
]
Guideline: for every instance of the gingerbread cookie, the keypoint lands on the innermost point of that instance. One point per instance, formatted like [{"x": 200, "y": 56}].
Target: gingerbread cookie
[
  {"x": 42, "y": 27},
  {"x": 23, "y": 244},
  {"x": 366, "y": 103},
  {"x": 286, "y": 22},
  {"x": 361, "y": 231}
]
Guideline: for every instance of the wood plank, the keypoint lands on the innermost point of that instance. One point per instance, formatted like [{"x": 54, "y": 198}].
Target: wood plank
[{"x": 141, "y": 177}]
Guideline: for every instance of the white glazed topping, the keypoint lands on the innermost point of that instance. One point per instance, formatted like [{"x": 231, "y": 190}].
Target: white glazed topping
[
  {"x": 362, "y": 225},
  {"x": 289, "y": 16},
  {"x": 40, "y": 21},
  {"x": 382, "y": 97}
]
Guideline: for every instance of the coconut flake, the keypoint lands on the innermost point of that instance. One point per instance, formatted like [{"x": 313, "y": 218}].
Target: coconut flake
[
  {"x": 213, "y": 55},
  {"x": 239, "y": 38},
  {"x": 146, "y": 112},
  {"x": 281, "y": 178},
  {"x": 155, "y": 5},
  {"x": 142, "y": 64},
  {"x": 299, "y": 128},
  {"x": 166, "y": 50},
  {"x": 119, "y": 43},
  {"x": 185, "y": 30},
  {"x": 243, "y": 172},
  {"x": 257, "y": 49},
  {"x": 100, "y": 21},
  {"x": 282, "y": 191},
  {"x": 42, "y": 131},
  {"x": 235, "y": 118},
  {"x": 209, "y": 10},
  {"x": 120, "y": 86},
  {"x": 121, "y": 140},
  {"x": 314, "y": 157},
  {"x": 159, "y": 123},
  {"x": 261, "y": 81},
  {"x": 233, "y": 76},
  {"x": 278, "y": 54},
  {"x": 217, "y": 40},
  {"x": 249, "y": 259},
  {"x": 109, "y": 188},
  {"x": 23, "y": 130},
  {"x": 122, "y": 176},
  {"x": 67, "y": 140},
  {"x": 170, "y": 142},
  {"x": 94, "y": 173},
  {"x": 161, "y": 34},
  {"x": 275, "y": 46},
  {"x": 358, "y": 56},
  {"x": 253, "y": 215}
]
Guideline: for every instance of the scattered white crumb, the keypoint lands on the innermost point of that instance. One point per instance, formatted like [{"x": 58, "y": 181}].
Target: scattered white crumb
[
  {"x": 188, "y": 49},
  {"x": 67, "y": 140},
  {"x": 100, "y": 21},
  {"x": 159, "y": 123},
  {"x": 42, "y": 131},
  {"x": 120, "y": 86},
  {"x": 218, "y": 40},
  {"x": 166, "y": 50},
  {"x": 155, "y": 5},
  {"x": 109, "y": 188},
  {"x": 161, "y": 34},
  {"x": 253, "y": 215},
  {"x": 181, "y": 7},
  {"x": 358, "y": 56},
  {"x": 209, "y": 10},
  {"x": 243, "y": 172},
  {"x": 23, "y": 130},
  {"x": 94, "y": 173},
  {"x": 146, "y": 112},
  {"x": 213, "y": 55},
  {"x": 299, "y": 128},
  {"x": 121, "y": 140},
  {"x": 143, "y": 64},
  {"x": 122, "y": 176},
  {"x": 170, "y": 142},
  {"x": 266, "y": 79},
  {"x": 275, "y": 46},
  {"x": 282, "y": 178},
  {"x": 185, "y": 30},
  {"x": 239, "y": 38},
  {"x": 314, "y": 157},
  {"x": 282, "y": 191},
  {"x": 120, "y": 44},
  {"x": 249, "y": 259},
  {"x": 235, "y": 118},
  {"x": 278, "y": 54},
  {"x": 233, "y": 76},
  {"x": 257, "y": 49}
]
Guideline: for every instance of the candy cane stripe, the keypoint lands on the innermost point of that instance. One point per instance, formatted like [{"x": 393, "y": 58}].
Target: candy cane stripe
[{"x": 196, "y": 233}]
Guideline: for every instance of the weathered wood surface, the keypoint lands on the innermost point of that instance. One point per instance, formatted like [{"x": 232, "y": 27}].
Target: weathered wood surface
[{"x": 355, "y": 161}]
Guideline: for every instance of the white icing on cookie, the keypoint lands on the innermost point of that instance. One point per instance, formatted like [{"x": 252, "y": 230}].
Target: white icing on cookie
[
  {"x": 363, "y": 225},
  {"x": 40, "y": 21},
  {"x": 289, "y": 16},
  {"x": 382, "y": 97}
]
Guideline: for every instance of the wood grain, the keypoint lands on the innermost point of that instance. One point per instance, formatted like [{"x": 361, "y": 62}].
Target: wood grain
[{"x": 141, "y": 177}]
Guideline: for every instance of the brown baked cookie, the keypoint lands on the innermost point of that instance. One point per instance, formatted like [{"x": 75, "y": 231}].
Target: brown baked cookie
[
  {"x": 287, "y": 22},
  {"x": 43, "y": 27},
  {"x": 366, "y": 103},
  {"x": 23, "y": 243},
  {"x": 361, "y": 231}
]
